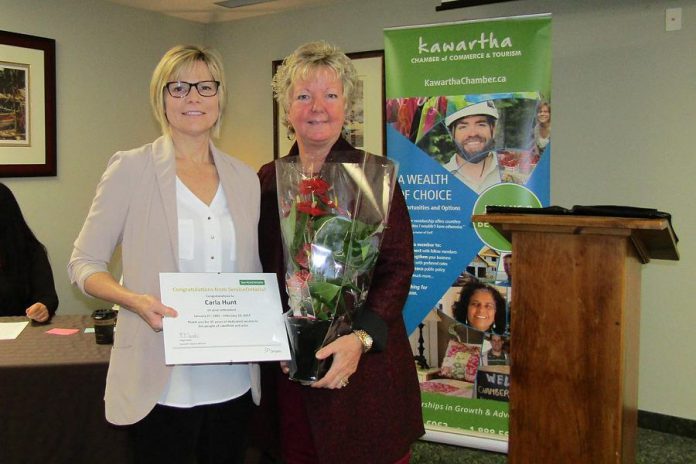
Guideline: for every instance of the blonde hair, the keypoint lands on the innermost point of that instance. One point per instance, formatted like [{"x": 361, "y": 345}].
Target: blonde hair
[
  {"x": 303, "y": 62},
  {"x": 175, "y": 62}
]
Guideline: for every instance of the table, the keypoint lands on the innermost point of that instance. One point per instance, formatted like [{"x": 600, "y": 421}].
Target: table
[{"x": 51, "y": 397}]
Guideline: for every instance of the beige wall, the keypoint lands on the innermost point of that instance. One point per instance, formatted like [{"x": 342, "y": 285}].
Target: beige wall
[
  {"x": 105, "y": 55},
  {"x": 623, "y": 117},
  {"x": 623, "y": 112}
]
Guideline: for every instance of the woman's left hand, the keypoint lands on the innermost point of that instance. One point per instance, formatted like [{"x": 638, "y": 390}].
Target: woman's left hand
[
  {"x": 38, "y": 312},
  {"x": 346, "y": 351}
]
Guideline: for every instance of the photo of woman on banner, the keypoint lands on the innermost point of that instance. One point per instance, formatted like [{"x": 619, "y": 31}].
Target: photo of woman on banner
[
  {"x": 542, "y": 128},
  {"x": 482, "y": 307},
  {"x": 470, "y": 321}
]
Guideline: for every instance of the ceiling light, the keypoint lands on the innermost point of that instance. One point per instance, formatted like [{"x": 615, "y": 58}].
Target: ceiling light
[
  {"x": 240, "y": 3},
  {"x": 452, "y": 4}
]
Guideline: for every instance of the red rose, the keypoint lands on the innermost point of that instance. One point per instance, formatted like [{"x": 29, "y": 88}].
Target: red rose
[
  {"x": 302, "y": 256},
  {"x": 310, "y": 208},
  {"x": 303, "y": 275},
  {"x": 313, "y": 185}
]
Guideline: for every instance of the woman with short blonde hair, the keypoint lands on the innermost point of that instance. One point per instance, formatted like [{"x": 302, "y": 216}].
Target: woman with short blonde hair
[
  {"x": 176, "y": 61},
  {"x": 177, "y": 204},
  {"x": 301, "y": 64},
  {"x": 370, "y": 394}
]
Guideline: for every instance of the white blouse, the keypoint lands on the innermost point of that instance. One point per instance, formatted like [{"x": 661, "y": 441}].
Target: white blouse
[{"x": 206, "y": 244}]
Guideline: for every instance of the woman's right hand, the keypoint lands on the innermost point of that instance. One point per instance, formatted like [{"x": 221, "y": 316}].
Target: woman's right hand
[
  {"x": 153, "y": 311},
  {"x": 150, "y": 309}
]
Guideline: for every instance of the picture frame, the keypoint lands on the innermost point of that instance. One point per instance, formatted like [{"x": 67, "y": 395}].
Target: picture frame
[
  {"x": 368, "y": 131},
  {"x": 27, "y": 105}
]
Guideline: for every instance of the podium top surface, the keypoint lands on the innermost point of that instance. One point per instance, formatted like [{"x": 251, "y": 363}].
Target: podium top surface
[{"x": 653, "y": 238}]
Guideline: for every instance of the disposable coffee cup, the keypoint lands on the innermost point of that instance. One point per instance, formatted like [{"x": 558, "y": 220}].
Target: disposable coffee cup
[{"x": 104, "y": 322}]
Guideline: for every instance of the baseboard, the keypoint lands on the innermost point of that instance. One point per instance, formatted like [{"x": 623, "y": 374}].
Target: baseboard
[{"x": 667, "y": 424}]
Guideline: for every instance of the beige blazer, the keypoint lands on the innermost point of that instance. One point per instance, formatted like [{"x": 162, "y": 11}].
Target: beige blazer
[{"x": 135, "y": 206}]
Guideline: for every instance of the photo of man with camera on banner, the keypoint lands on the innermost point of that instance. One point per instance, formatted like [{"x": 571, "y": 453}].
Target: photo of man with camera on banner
[{"x": 468, "y": 120}]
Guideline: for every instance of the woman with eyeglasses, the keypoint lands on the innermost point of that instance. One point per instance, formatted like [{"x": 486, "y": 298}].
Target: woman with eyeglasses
[{"x": 177, "y": 204}]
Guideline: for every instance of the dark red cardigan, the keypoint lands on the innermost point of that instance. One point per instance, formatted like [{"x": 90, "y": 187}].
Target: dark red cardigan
[{"x": 378, "y": 415}]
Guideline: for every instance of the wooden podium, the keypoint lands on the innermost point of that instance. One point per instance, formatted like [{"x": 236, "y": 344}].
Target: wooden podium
[{"x": 575, "y": 313}]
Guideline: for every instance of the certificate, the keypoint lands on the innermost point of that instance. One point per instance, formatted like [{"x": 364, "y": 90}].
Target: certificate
[{"x": 223, "y": 318}]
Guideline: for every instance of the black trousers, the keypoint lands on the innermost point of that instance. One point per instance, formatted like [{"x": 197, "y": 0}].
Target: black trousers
[{"x": 207, "y": 434}]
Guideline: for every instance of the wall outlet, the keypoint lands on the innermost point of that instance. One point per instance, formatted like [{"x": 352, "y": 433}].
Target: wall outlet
[{"x": 673, "y": 19}]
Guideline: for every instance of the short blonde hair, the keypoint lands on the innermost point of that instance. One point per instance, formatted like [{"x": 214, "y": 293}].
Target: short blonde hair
[
  {"x": 176, "y": 61},
  {"x": 305, "y": 60}
]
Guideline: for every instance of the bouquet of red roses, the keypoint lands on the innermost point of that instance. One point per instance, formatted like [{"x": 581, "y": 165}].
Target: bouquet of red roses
[{"x": 332, "y": 220}]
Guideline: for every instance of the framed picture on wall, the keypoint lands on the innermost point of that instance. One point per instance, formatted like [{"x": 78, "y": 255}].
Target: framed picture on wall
[
  {"x": 367, "y": 130},
  {"x": 27, "y": 105}
]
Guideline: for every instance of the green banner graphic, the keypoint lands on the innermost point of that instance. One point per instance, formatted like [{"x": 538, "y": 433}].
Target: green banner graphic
[{"x": 468, "y": 113}]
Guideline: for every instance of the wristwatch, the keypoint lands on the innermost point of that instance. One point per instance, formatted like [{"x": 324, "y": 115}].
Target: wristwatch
[{"x": 365, "y": 339}]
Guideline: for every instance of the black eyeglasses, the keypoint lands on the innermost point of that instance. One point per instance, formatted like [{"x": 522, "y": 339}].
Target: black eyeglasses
[{"x": 179, "y": 89}]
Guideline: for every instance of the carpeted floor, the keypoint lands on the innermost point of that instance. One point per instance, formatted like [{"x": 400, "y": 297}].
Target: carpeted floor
[{"x": 653, "y": 448}]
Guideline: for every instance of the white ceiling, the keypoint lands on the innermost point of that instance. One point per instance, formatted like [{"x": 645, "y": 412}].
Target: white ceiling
[{"x": 206, "y": 11}]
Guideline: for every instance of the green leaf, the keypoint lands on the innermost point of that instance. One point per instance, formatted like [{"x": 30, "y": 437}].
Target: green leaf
[
  {"x": 287, "y": 225},
  {"x": 325, "y": 292},
  {"x": 293, "y": 228},
  {"x": 299, "y": 233}
]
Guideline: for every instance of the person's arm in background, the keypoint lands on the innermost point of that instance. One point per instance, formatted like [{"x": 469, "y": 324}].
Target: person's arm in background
[{"x": 43, "y": 291}]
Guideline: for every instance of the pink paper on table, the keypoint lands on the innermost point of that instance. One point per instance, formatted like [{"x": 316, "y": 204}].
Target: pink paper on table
[{"x": 62, "y": 331}]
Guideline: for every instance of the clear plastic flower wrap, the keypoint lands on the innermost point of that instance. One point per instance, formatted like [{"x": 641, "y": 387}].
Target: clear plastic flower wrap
[{"x": 332, "y": 218}]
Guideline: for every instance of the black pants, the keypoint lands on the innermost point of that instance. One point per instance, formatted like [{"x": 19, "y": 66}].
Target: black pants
[{"x": 207, "y": 434}]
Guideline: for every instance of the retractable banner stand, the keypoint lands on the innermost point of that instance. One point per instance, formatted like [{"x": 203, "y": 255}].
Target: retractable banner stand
[{"x": 468, "y": 119}]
